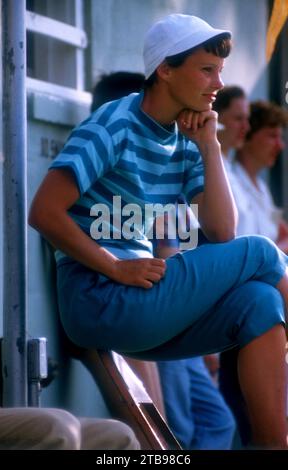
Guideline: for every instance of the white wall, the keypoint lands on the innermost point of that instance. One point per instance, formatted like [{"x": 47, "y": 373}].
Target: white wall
[{"x": 118, "y": 28}]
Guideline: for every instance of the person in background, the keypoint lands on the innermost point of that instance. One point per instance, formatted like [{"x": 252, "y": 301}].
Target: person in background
[
  {"x": 149, "y": 148},
  {"x": 232, "y": 107},
  {"x": 115, "y": 85},
  {"x": 257, "y": 215},
  {"x": 56, "y": 429}
]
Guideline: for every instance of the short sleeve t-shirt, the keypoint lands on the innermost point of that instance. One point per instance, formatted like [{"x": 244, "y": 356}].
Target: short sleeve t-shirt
[{"x": 125, "y": 164}]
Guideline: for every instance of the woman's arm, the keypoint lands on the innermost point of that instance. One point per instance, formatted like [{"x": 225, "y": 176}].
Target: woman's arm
[
  {"x": 48, "y": 215},
  {"x": 216, "y": 207}
]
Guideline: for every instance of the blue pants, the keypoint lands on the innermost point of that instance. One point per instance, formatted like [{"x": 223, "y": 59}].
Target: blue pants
[
  {"x": 210, "y": 299},
  {"x": 196, "y": 411}
]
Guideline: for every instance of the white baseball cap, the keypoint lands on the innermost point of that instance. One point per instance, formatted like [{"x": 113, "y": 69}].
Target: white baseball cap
[{"x": 174, "y": 34}]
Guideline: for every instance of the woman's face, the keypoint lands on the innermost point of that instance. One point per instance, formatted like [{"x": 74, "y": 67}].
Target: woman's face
[
  {"x": 236, "y": 122},
  {"x": 194, "y": 84},
  {"x": 268, "y": 143}
]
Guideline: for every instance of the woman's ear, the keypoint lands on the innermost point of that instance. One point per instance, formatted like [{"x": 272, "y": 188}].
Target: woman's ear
[{"x": 164, "y": 71}]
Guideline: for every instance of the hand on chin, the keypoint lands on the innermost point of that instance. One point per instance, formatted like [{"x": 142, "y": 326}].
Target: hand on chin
[{"x": 199, "y": 126}]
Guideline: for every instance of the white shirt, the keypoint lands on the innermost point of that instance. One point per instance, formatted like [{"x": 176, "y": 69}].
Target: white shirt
[{"x": 257, "y": 212}]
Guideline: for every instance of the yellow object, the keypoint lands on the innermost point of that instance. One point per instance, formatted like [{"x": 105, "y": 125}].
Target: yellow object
[{"x": 278, "y": 17}]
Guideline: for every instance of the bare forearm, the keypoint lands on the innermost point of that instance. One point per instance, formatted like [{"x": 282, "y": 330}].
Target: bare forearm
[
  {"x": 218, "y": 212},
  {"x": 63, "y": 233}
]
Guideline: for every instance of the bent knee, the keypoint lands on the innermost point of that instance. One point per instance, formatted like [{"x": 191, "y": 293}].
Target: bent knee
[{"x": 264, "y": 309}]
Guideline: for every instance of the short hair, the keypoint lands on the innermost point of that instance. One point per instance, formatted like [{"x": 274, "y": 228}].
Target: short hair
[
  {"x": 218, "y": 45},
  {"x": 114, "y": 86},
  {"x": 266, "y": 114},
  {"x": 226, "y": 95}
]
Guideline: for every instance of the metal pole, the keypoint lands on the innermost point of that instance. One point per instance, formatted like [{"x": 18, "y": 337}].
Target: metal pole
[{"x": 15, "y": 200}]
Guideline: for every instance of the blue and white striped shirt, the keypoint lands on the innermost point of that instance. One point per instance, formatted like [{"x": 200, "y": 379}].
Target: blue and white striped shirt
[{"x": 121, "y": 151}]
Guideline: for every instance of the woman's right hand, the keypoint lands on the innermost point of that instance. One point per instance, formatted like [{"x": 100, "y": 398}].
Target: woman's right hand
[
  {"x": 200, "y": 127},
  {"x": 142, "y": 272}
]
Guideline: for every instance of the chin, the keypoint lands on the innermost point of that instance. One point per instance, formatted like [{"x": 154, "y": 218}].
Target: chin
[
  {"x": 199, "y": 106},
  {"x": 204, "y": 107}
]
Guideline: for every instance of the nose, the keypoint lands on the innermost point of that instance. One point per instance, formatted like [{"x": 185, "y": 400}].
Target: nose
[{"x": 218, "y": 83}]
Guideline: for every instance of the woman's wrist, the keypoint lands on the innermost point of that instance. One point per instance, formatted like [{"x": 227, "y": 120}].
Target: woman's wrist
[{"x": 210, "y": 149}]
